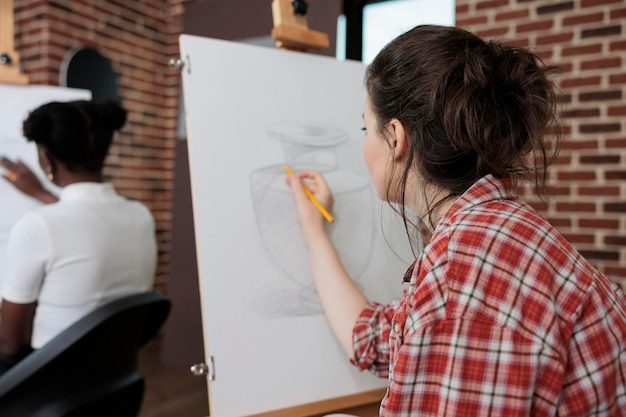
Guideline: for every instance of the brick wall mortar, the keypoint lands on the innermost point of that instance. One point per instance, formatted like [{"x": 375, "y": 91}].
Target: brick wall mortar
[{"x": 587, "y": 39}]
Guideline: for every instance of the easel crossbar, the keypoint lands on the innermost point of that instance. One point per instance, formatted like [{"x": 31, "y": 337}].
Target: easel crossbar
[{"x": 328, "y": 406}]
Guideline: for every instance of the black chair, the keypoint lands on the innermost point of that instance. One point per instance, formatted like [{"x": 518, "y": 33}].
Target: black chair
[{"x": 90, "y": 369}]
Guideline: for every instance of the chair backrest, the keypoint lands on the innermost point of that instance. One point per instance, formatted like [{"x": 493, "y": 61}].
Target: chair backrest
[{"x": 90, "y": 369}]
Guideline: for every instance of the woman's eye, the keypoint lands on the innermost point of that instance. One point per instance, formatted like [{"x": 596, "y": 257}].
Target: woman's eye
[{"x": 364, "y": 129}]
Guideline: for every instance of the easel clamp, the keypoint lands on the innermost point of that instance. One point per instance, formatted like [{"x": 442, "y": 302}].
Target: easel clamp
[{"x": 291, "y": 30}]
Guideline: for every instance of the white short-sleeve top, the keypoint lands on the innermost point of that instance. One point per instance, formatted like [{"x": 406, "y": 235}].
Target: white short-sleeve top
[{"x": 72, "y": 256}]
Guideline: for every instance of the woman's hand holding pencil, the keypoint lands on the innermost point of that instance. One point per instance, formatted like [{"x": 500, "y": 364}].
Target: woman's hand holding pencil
[{"x": 313, "y": 199}]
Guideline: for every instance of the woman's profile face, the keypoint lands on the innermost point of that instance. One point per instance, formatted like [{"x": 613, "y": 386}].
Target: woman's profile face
[{"x": 376, "y": 152}]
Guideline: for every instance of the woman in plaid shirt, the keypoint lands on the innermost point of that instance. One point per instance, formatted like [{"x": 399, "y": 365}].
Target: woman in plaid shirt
[{"x": 501, "y": 316}]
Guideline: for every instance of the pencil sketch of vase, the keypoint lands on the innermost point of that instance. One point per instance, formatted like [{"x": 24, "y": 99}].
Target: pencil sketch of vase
[{"x": 312, "y": 146}]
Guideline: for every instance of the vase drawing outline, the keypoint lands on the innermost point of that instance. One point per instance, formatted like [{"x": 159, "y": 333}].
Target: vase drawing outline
[{"x": 312, "y": 145}]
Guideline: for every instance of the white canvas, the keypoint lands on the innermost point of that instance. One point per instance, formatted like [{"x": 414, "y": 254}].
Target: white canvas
[
  {"x": 249, "y": 111},
  {"x": 17, "y": 101}
]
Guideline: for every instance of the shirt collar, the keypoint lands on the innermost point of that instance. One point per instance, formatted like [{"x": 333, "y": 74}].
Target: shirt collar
[
  {"x": 488, "y": 188},
  {"x": 88, "y": 191}
]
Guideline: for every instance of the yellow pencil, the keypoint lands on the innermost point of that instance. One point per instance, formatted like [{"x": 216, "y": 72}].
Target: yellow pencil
[{"x": 312, "y": 197}]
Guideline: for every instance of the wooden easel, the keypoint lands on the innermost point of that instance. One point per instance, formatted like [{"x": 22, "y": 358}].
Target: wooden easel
[
  {"x": 291, "y": 32},
  {"x": 365, "y": 404},
  {"x": 9, "y": 58}
]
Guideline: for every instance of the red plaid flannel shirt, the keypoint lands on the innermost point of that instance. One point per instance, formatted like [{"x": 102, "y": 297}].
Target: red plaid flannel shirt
[{"x": 502, "y": 318}]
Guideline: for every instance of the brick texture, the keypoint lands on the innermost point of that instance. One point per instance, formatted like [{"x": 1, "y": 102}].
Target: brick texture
[
  {"x": 586, "y": 39},
  {"x": 138, "y": 37}
]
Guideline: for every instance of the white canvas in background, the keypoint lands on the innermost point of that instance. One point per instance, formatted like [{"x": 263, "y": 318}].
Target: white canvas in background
[
  {"x": 16, "y": 101},
  {"x": 250, "y": 110}
]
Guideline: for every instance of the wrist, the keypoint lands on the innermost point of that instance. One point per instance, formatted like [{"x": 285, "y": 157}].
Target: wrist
[
  {"x": 46, "y": 197},
  {"x": 315, "y": 236}
]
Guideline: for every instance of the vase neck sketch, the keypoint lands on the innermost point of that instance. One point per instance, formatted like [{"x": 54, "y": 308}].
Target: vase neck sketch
[{"x": 310, "y": 145}]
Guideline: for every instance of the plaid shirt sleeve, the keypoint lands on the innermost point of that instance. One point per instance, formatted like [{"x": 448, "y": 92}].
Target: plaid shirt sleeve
[
  {"x": 595, "y": 373},
  {"x": 371, "y": 338}
]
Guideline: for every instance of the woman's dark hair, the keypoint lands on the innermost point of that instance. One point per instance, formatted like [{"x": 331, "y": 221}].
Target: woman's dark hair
[
  {"x": 77, "y": 133},
  {"x": 470, "y": 107}
]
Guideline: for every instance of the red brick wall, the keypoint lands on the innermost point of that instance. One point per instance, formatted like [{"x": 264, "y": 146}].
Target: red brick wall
[
  {"x": 587, "y": 39},
  {"x": 138, "y": 37}
]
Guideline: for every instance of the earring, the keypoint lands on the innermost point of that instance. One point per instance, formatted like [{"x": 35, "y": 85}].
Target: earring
[{"x": 50, "y": 175}]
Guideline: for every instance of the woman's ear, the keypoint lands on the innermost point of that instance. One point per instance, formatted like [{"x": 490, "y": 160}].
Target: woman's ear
[{"x": 399, "y": 142}]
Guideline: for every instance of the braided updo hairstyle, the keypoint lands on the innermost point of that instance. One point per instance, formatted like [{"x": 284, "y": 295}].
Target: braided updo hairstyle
[
  {"x": 470, "y": 107},
  {"x": 77, "y": 133}
]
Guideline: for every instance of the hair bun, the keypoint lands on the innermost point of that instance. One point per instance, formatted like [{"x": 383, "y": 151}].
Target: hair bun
[
  {"x": 41, "y": 123},
  {"x": 112, "y": 114}
]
